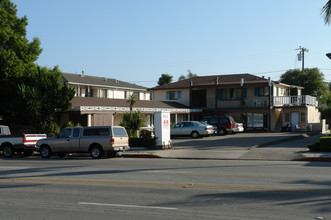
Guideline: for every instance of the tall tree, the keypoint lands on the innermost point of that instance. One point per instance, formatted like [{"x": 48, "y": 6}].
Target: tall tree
[
  {"x": 28, "y": 94},
  {"x": 132, "y": 101},
  {"x": 326, "y": 12},
  {"x": 17, "y": 55},
  {"x": 165, "y": 79},
  {"x": 41, "y": 93},
  {"x": 311, "y": 79}
]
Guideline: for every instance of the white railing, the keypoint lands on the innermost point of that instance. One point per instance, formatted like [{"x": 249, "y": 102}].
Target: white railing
[{"x": 295, "y": 100}]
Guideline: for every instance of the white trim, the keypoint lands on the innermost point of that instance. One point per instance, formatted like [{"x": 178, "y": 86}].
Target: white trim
[
  {"x": 143, "y": 109},
  {"x": 96, "y": 85}
]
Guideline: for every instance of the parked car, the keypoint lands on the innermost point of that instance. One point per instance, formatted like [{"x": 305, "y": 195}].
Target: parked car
[
  {"x": 239, "y": 127},
  {"x": 214, "y": 127},
  {"x": 224, "y": 124},
  {"x": 98, "y": 141},
  {"x": 25, "y": 143},
  {"x": 194, "y": 129}
]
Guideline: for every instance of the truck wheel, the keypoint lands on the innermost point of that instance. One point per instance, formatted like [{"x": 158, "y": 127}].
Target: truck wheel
[
  {"x": 45, "y": 152},
  {"x": 8, "y": 151},
  {"x": 96, "y": 152}
]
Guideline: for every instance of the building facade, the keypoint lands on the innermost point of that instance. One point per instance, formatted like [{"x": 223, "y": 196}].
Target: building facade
[
  {"x": 102, "y": 101},
  {"x": 258, "y": 102}
]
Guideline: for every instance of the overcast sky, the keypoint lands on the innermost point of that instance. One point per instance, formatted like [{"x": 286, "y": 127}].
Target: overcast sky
[{"x": 138, "y": 40}]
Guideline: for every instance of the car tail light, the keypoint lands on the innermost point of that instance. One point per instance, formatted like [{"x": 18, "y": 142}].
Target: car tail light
[
  {"x": 233, "y": 125},
  {"x": 209, "y": 128},
  {"x": 112, "y": 141},
  {"x": 24, "y": 139}
]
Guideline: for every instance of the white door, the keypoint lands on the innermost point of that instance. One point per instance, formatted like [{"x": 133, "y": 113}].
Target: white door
[{"x": 294, "y": 120}]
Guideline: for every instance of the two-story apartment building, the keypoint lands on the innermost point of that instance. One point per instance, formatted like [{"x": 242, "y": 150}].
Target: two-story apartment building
[
  {"x": 258, "y": 102},
  {"x": 102, "y": 101}
]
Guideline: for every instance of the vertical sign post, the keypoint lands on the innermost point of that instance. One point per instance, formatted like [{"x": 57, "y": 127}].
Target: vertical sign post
[{"x": 162, "y": 129}]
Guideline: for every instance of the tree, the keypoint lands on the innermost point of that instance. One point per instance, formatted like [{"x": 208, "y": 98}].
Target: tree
[
  {"x": 165, "y": 79},
  {"x": 132, "y": 100},
  {"x": 41, "y": 93},
  {"x": 188, "y": 76},
  {"x": 311, "y": 79},
  {"x": 132, "y": 122},
  {"x": 17, "y": 55},
  {"x": 29, "y": 95},
  {"x": 326, "y": 12}
]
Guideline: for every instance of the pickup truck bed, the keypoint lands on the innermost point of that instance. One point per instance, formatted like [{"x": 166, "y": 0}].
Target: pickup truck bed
[{"x": 9, "y": 144}]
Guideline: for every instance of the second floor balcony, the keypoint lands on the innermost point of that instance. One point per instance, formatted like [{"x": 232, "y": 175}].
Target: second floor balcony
[
  {"x": 295, "y": 100},
  {"x": 263, "y": 102}
]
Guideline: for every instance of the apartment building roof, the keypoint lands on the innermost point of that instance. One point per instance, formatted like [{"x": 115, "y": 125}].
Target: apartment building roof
[
  {"x": 82, "y": 79},
  {"x": 214, "y": 80}
]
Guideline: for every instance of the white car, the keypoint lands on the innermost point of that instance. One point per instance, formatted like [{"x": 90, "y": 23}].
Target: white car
[{"x": 239, "y": 127}]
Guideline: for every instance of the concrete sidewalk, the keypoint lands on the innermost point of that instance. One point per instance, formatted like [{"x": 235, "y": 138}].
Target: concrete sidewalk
[{"x": 287, "y": 148}]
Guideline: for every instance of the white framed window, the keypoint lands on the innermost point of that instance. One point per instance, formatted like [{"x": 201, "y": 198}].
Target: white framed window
[
  {"x": 173, "y": 95},
  {"x": 103, "y": 93}
]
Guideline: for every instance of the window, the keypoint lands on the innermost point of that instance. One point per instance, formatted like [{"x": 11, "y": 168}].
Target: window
[
  {"x": 136, "y": 95},
  {"x": 76, "y": 132},
  {"x": 103, "y": 93},
  {"x": 173, "y": 95},
  {"x": 255, "y": 120},
  {"x": 261, "y": 91},
  {"x": 119, "y": 132},
  {"x": 96, "y": 132},
  {"x": 5, "y": 131},
  {"x": 65, "y": 133},
  {"x": 302, "y": 116},
  {"x": 230, "y": 93}
]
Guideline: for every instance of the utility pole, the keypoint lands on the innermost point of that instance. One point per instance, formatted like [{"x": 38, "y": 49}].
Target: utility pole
[{"x": 301, "y": 55}]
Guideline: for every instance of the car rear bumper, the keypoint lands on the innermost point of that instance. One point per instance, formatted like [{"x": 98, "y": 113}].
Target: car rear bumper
[{"x": 122, "y": 148}]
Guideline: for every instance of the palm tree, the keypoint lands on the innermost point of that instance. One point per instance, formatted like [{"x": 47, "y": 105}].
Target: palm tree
[
  {"x": 132, "y": 100},
  {"x": 326, "y": 12}
]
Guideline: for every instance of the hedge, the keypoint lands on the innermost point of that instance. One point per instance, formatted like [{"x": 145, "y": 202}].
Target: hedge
[
  {"x": 142, "y": 142},
  {"x": 324, "y": 145}
]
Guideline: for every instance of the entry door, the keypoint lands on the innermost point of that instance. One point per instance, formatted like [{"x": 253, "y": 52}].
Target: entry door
[{"x": 294, "y": 120}]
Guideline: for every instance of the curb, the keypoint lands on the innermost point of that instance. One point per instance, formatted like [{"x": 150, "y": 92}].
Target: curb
[{"x": 320, "y": 159}]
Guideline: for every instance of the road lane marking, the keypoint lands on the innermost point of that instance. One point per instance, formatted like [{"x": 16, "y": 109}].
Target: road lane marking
[
  {"x": 190, "y": 185},
  {"x": 128, "y": 206}
]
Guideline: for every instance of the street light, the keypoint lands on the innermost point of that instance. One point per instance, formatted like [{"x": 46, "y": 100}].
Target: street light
[{"x": 328, "y": 55}]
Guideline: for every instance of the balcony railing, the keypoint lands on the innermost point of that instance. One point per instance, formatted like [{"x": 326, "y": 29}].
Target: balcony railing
[
  {"x": 263, "y": 102},
  {"x": 295, "y": 100}
]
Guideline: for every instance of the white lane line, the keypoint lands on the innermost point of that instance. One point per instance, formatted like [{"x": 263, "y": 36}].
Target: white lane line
[{"x": 129, "y": 206}]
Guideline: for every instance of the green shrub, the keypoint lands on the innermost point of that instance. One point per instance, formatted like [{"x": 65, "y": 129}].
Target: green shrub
[
  {"x": 325, "y": 144},
  {"x": 314, "y": 147},
  {"x": 142, "y": 142}
]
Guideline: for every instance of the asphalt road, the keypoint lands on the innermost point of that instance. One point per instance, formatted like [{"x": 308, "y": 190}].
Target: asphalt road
[{"x": 123, "y": 188}]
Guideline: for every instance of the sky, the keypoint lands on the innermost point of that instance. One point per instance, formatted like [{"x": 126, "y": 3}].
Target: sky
[{"x": 138, "y": 40}]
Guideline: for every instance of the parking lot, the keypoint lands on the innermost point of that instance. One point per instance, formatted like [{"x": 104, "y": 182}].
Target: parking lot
[{"x": 238, "y": 141}]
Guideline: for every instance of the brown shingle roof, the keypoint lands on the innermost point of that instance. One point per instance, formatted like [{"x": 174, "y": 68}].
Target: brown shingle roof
[
  {"x": 90, "y": 101},
  {"x": 100, "y": 81},
  {"x": 213, "y": 80}
]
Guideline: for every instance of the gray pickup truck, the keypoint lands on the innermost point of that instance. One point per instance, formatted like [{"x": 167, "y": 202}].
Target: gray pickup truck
[{"x": 98, "y": 141}]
